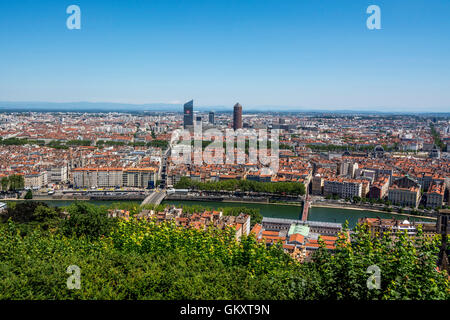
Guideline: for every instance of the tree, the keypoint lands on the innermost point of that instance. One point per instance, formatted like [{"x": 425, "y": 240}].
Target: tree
[
  {"x": 24, "y": 212},
  {"x": 29, "y": 195},
  {"x": 292, "y": 188},
  {"x": 16, "y": 182},
  {"x": 407, "y": 266},
  {"x": 44, "y": 213},
  {"x": 4, "y": 182},
  {"x": 148, "y": 260},
  {"x": 88, "y": 220}
]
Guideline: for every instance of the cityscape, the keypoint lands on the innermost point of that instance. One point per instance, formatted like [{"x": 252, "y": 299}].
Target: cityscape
[
  {"x": 394, "y": 169},
  {"x": 222, "y": 153}
]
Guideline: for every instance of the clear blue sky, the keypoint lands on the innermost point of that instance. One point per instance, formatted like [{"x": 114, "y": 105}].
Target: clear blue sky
[{"x": 300, "y": 53}]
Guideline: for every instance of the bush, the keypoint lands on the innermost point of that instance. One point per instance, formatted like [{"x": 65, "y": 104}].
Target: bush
[
  {"x": 24, "y": 212},
  {"x": 29, "y": 195},
  {"x": 146, "y": 260},
  {"x": 87, "y": 220}
]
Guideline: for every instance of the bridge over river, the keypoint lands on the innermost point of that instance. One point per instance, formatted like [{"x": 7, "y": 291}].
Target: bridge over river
[
  {"x": 155, "y": 197},
  {"x": 305, "y": 210}
]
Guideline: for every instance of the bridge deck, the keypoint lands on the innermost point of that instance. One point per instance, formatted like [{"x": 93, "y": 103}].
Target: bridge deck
[
  {"x": 305, "y": 210},
  {"x": 154, "y": 198}
]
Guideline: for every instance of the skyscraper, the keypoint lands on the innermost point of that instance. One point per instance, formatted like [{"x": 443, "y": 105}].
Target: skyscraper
[
  {"x": 237, "y": 116},
  {"x": 188, "y": 119},
  {"x": 211, "y": 117}
]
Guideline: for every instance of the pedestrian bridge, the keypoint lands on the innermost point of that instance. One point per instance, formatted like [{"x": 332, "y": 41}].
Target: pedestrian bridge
[
  {"x": 306, "y": 206},
  {"x": 154, "y": 198}
]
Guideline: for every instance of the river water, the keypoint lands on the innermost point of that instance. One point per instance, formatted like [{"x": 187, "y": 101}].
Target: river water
[
  {"x": 276, "y": 210},
  {"x": 294, "y": 212}
]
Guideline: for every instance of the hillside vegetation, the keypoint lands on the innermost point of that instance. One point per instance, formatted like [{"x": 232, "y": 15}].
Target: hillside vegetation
[{"x": 132, "y": 259}]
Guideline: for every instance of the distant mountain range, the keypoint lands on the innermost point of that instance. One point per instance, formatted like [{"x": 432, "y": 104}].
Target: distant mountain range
[{"x": 24, "y": 106}]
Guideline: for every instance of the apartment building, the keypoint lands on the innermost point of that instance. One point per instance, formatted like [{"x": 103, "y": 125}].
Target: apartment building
[
  {"x": 347, "y": 168},
  {"x": 109, "y": 177},
  {"x": 114, "y": 177},
  {"x": 379, "y": 227},
  {"x": 317, "y": 185},
  {"x": 405, "y": 192},
  {"x": 139, "y": 177},
  {"x": 435, "y": 195},
  {"x": 58, "y": 174},
  {"x": 344, "y": 188},
  {"x": 199, "y": 220},
  {"x": 379, "y": 188},
  {"x": 97, "y": 177},
  {"x": 36, "y": 180},
  {"x": 408, "y": 197}
]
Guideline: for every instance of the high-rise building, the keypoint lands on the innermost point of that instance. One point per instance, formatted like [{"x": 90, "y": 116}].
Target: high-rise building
[
  {"x": 198, "y": 119},
  {"x": 211, "y": 117},
  {"x": 237, "y": 116},
  {"x": 188, "y": 119}
]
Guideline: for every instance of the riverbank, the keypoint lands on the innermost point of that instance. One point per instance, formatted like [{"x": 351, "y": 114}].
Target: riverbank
[
  {"x": 347, "y": 207},
  {"x": 260, "y": 202},
  {"x": 320, "y": 212},
  {"x": 52, "y": 199}
]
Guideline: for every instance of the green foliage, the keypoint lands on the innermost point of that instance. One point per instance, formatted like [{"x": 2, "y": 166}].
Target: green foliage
[
  {"x": 43, "y": 213},
  {"x": 87, "y": 220},
  {"x": 13, "y": 142},
  {"x": 283, "y": 146},
  {"x": 74, "y": 143},
  {"x": 29, "y": 195},
  {"x": 55, "y": 144},
  {"x": 34, "y": 267},
  {"x": 437, "y": 138},
  {"x": 32, "y": 214},
  {"x": 4, "y": 182},
  {"x": 24, "y": 212},
  {"x": 132, "y": 206},
  {"x": 255, "y": 215},
  {"x": 100, "y": 143},
  {"x": 212, "y": 244},
  {"x": 16, "y": 182},
  {"x": 140, "y": 259},
  {"x": 137, "y": 144},
  {"x": 292, "y": 188},
  {"x": 163, "y": 144},
  {"x": 408, "y": 268}
]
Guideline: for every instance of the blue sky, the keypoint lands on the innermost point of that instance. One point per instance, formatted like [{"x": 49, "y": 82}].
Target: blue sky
[{"x": 299, "y": 53}]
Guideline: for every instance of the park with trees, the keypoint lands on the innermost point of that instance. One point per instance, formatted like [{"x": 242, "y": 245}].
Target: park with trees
[{"x": 291, "y": 188}]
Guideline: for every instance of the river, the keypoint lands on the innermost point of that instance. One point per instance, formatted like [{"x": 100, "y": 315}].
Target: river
[
  {"x": 294, "y": 212},
  {"x": 276, "y": 210}
]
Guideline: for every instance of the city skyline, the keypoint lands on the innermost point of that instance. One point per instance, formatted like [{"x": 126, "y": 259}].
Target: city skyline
[
  {"x": 84, "y": 106},
  {"x": 296, "y": 55},
  {"x": 225, "y": 151}
]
